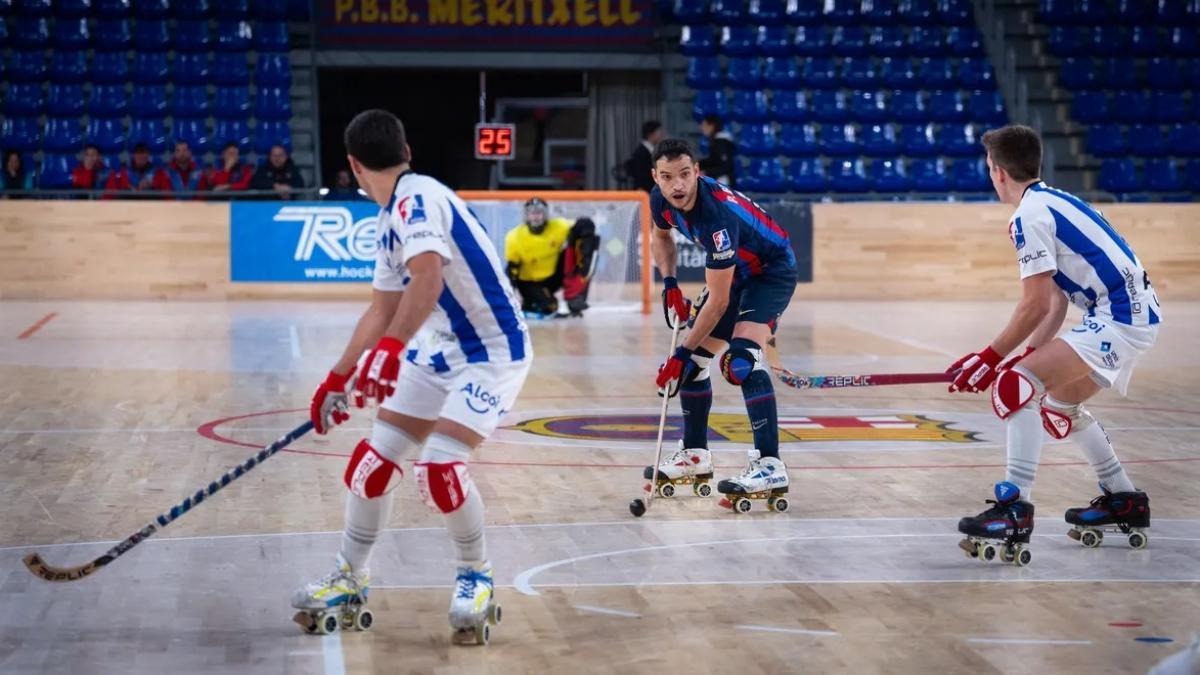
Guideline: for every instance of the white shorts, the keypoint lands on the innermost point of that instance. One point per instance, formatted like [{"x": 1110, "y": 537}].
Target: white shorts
[
  {"x": 476, "y": 395},
  {"x": 1111, "y": 349}
]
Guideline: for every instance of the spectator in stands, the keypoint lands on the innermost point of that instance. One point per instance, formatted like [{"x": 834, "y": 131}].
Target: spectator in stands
[
  {"x": 91, "y": 173},
  {"x": 182, "y": 174},
  {"x": 343, "y": 188},
  {"x": 230, "y": 173},
  {"x": 719, "y": 163},
  {"x": 639, "y": 165},
  {"x": 14, "y": 179},
  {"x": 139, "y": 175},
  {"x": 278, "y": 173}
]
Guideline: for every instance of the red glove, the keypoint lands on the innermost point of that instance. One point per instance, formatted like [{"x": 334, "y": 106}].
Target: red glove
[
  {"x": 675, "y": 306},
  {"x": 975, "y": 371},
  {"x": 670, "y": 372},
  {"x": 328, "y": 408},
  {"x": 379, "y": 373},
  {"x": 1013, "y": 361}
]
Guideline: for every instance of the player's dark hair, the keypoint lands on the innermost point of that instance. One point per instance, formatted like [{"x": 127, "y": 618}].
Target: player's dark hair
[
  {"x": 92, "y": 146},
  {"x": 230, "y": 144},
  {"x": 1017, "y": 149},
  {"x": 141, "y": 147},
  {"x": 714, "y": 120},
  {"x": 376, "y": 138},
  {"x": 650, "y": 127},
  {"x": 672, "y": 149}
]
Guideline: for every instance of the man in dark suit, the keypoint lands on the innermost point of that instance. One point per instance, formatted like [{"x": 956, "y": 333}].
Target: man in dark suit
[{"x": 639, "y": 165}]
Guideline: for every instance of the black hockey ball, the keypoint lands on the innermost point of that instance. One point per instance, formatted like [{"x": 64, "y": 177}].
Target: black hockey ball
[{"x": 637, "y": 507}]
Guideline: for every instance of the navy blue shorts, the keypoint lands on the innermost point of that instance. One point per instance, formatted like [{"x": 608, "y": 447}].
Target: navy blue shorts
[{"x": 759, "y": 300}]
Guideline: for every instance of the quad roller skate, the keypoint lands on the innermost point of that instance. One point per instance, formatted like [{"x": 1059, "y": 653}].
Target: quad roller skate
[
  {"x": 473, "y": 609},
  {"x": 764, "y": 478},
  {"x": 1009, "y": 520},
  {"x": 337, "y": 600},
  {"x": 684, "y": 467},
  {"x": 1124, "y": 512}
]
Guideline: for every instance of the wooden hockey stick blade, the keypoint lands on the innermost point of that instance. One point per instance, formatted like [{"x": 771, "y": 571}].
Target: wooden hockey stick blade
[{"x": 841, "y": 381}]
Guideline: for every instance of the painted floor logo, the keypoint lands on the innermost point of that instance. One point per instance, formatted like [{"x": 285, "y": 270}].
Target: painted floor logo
[{"x": 736, "y": 428}]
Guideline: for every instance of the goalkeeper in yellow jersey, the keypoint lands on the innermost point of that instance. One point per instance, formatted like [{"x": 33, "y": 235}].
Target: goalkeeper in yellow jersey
[{"x": 546, "y": 255}]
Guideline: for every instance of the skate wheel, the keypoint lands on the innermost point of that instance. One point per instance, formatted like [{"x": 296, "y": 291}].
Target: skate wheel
[
  {"x": 1091, "y": 538},
  {"x": 666, "y": 490},
  {"x": 1008, "y": 555},
  {"x": 1138, "y": 540},
  {"x": 364, "y": 619},
  {"x": 327, "y": 624},
  {"x": 483, "y": 633},
  {"x": 1024, "y": 557},
  {"x": 702, "y": 490},
  {"x": 494, "y": 614},
  {"x": 989, "y": 553},
  {"x": 742, "y": 505},
  {"x": 778, "y": 504}
]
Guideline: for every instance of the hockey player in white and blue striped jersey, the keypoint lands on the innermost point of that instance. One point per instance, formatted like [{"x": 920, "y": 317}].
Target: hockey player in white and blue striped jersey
[{"x": 1067, "y": 252}]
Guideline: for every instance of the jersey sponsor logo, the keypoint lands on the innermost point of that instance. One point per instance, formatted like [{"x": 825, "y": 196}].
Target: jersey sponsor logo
[
  {"x": 333, "y": 230},
  {"x": 721, "y": 240},
  {"x": 418, "y": 209},
  {"x": 723, "y": 255},
  {"x": 1016, "y": 234},
  {"x": 1030, "y": 257},
  {"x": 479, "y": 399}
]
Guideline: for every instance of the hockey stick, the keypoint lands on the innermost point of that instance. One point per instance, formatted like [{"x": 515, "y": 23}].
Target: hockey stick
[
  {"x": 840, "y": 381},
  {"x": 49, "y": 572},
  {"x": 637, "y": 507}
]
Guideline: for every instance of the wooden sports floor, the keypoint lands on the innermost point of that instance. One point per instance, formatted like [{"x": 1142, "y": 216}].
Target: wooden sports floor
[{"x": 111, "y": 412}]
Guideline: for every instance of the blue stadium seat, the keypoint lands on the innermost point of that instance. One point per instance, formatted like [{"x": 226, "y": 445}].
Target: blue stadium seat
[
  {"x": 1147, "y": 140},
  {"x": 766, "y": 12},
  {"x": 107, "y": 133},
  {"x": 748, "y": 106},
  {"x": 860, "y": 73},
  {"x": 879, "y": 12},
  {"x": 274, "y": 103},
  {"x": 195, "y": 132},
  {"x": 697, "y": 41},
  {"x": 1164, "y": 74},
  {"x": 709, "y": 102},
  {"x": 68, "y": 66},
  {"x": 271, "y": 133},
  {"x": 1106, "y": 40},
  {"x": 55, "y": 171},
  {"x": 955, "y": 12},
  {"x": 961, "y": 140},
  {"x": 791, "y": 106},
  {"x": 935, "y": 73},
  {"x": 987, "y": 106},
  {"x": 191, "y": 36},
  {"x": 150, "y": 131},
  {"x": 72, "y": 9},
  {"x": 149, "y": 100},
  {"x": 66, "y": 100},
  {"x": 1192, "y": 175},
  {"x": 149, "y": 68},
  {"x": 975, "y": 74},
  {"x": 728, "y": 12},
  {"x": 890, "y": 175},
  {"x": 798, "y": 140},
  {"x": 764, "y": 175},
  {"x": 704, "y": 72},
  {"x": 1131, "y": 106},
  {"x": 1131, "y": 12},
  {"x": 887, "y": 40},
  {"x": 1192, "y": 73},
  {"x": 111, "y": 67},
  {"x": 927, "y": 41},
  {"x": 1170, "y": 106},
  {"x": 808, "y": 175},
  {"x": 108, "y": 100},
  {"x": 743, "y": 73},
  {"x": 1191, "y": 12},
  {"x": 909, "y": 106},
  {"x": 273, "y": 70},
  {"x": 774, "y": 40},
  {"x": 24, "y": 98},
  {"x": 1090, "y": 106},
  {"x": 849, "y": 175},
  {"x": 190, "y": 68},
  {"x": 235, "y": 130},
  {"x": 842, "y": 11},
  {"x": 870, "y": 106},
  {"x": 192, "y": 9},
  {"x": 20, "y": 133},
  {"x": 849, "y": 41},
  {"x": 965, "y": 41},
  {"x": 232, "y": 103},
  {"x": 1107, "y": 140},
  {"x": 1182, "y": 41},
  {"x": 3, "y": 39},
  {"x": 271, "y": 36},
  {"x": 820, "y": 72},
  {"x": 112, "y": 35},
  {"x": 947, "y": 106},
  {"x": 929, "y": 175},
  {"x": 738, "y": 41},
  {"x": 151, "y": 35},
  {"x": 804, "y": 13},
  {"x": 234, "y": 36},
  {"x": 691, "y": 12},
  {"x": 189, "y": 101},
  {"x": 1184, "y": 139},
  {"x": 811, "y": 41},
  {"x": 111, "y": 9},
  {"x": 152, "y": 9},
  {"x": 1065, "y": 41},
  {"x": 29, "y": 33},
  {"x": 970, "y": 175},
  {"x": 781, "y": 72},
  {"x": 71, "y": 34},
  {"x": 757, "y": 140},
  {"x": 879, "y": 140},
  {"x": 898, "y": 73},
  {"x": 62, "y": 134},
  {"x": 1119, "y": 73},
  {"x": 1119, "y": 175},
  {"x": 830, "y": 106},
  {"x": 231, "y": 10},
  {"x": 1093, "y": 12},
  {"x": 1079, "y": 72},
  {"x": 1145, "y": 41},
  {"x": 231, "y": 69},
  {"x": 915, "y": 12},
  {"x": 839, "y": 140},
  {"x": 920, "y": 140}
]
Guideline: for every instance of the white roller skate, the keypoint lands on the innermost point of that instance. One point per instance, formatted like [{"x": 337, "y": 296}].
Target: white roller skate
[
  {"x": 685, "y": 466},
  {"x": 337, "y": 600},
  {"x": 473, "y": 608},
  {"x": 764, "y": 478}
]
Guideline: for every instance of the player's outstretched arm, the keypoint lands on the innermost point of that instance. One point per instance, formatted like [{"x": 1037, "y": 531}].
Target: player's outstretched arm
[
  {"x": 420, "y": 296},
  {"x": 1037, "y": 299},
  {"x": 371, "y": 326},
  {"x": 718, "y": 283},
  {"x": 1053, "y": 321},
  {"x": 662, "y": 247}
]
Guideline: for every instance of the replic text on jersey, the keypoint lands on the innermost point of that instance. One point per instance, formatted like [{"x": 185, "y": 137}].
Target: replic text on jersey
[{"x": 1030, "y": 257}]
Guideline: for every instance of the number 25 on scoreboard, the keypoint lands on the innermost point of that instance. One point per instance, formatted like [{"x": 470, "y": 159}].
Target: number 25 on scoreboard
[{"x": 495, "y": 141}]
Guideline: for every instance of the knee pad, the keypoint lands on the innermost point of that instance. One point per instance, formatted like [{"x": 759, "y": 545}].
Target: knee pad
[
  {"x": 1060, "y": 419},
  {"x": 1013, "y": 390},
  {"x": 742, "y": 358},
  {"x": 370, "y": 475},
  {"x": 699, "y": 372},
  {"x": 441, "y": 474}
]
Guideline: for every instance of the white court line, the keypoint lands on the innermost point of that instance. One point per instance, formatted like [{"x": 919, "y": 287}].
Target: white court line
[
  {"x": 335, "y": 662},
  {"x": 794, "y": 582},
  {"x": 791, "y": 631},
  {"x": 604, "y": 610},
  {"x": 294, "y": 339},
  {"x": 1016, "y": 641}
]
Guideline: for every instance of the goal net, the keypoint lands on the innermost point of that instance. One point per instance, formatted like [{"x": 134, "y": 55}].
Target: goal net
[{"x": 621, "y": 280}]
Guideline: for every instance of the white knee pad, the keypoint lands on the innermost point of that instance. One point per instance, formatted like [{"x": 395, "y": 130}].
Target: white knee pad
[
  {"x": 700, "y": 373},
  {"x": 1014, "y": 389},
  {"x": 441, "y": 473},
  {"x": 1060, "y": 419},
  {"x": 376, "y": 466}
]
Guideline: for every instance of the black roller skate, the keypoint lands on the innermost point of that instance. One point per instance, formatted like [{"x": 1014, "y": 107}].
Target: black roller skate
[
  {"x": 1010, "y": 520},
  {"x": 1125, "y": 512}
]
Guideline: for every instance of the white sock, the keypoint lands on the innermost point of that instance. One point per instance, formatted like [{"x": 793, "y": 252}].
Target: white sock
[
  {"x": 366, "y": 518},
  {"x": 465, "y": 523},
  {"x": 1096, "y": 446},
  {"x": 1024, "y": 440}
]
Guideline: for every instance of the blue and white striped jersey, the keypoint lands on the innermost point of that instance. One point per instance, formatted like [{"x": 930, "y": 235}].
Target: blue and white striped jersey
[
  {"x": 477, "y": 306},
  {"x": 1055, "y": 231}
]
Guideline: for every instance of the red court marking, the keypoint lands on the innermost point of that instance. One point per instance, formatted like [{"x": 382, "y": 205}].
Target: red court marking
[
  {"x": 37, "y": 326},
  {"x": 1125, "y": 624}
]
